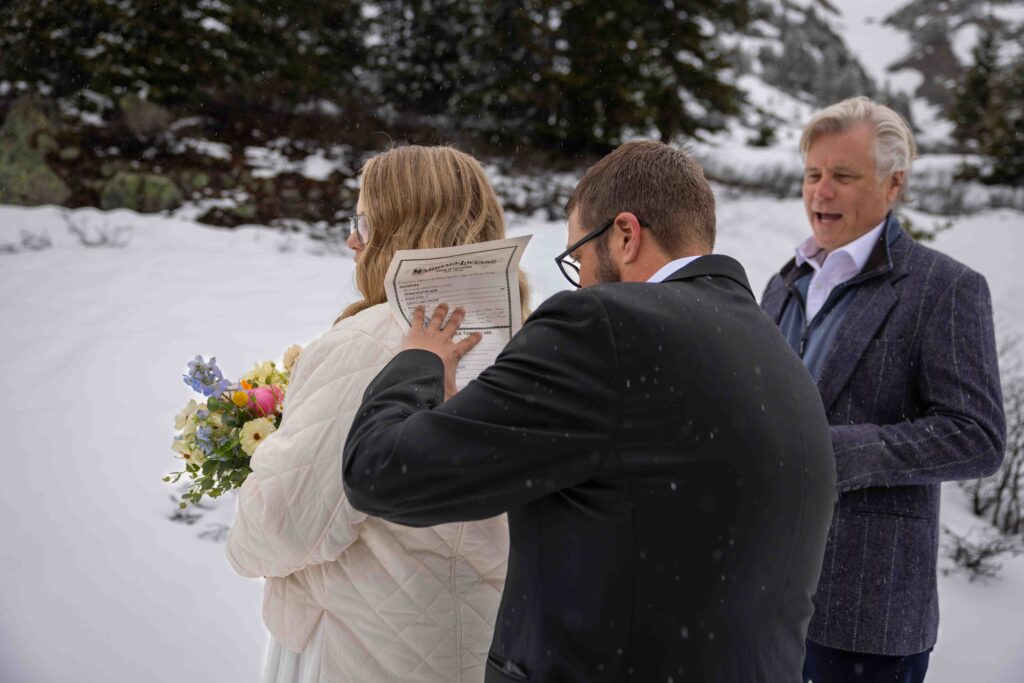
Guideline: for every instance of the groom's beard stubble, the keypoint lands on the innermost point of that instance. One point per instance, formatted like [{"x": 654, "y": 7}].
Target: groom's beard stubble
[{"x": 607, "y": 270}]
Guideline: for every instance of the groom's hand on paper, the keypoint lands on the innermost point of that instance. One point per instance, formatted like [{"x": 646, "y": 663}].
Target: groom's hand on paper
[{"x": 436, "y": 336}]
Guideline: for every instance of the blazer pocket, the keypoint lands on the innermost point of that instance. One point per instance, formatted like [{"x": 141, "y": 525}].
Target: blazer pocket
[
  {"x": 860, "y": 510},
  {"x": 507, "y": 668}
]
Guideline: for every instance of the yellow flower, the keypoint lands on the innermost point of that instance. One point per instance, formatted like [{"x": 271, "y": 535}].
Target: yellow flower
[
  {"x": 291, "y": 355},
  {"x": 261, "y": 373},
  {"x": 254, "y": 432},
  {"x": 240, "y": 399}
]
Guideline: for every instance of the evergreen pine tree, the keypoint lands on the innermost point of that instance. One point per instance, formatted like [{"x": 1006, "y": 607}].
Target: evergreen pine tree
[
  {"x": 419, "y": 61},
  {"x": 183, "y": 51},
  {"x": 1004, "y": 125},
  {"x": 974, "y": 94},
  {"x": 635, "y": 67},
  {"x": 560, "y": 74},
  {"x": 511, "y": 98}
]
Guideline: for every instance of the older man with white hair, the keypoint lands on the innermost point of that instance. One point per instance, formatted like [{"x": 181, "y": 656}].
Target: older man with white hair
[{"x": 900, "y": 341}]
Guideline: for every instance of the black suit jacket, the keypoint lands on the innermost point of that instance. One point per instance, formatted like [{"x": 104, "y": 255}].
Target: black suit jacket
[{"x": 665, "y": 463}]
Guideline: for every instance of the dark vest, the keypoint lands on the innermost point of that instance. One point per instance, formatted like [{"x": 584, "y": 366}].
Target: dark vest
[{"x": 812, "y": 340}]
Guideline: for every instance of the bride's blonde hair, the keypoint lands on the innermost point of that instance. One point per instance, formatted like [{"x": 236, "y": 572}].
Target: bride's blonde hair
[{"x": 418, "y": 198}]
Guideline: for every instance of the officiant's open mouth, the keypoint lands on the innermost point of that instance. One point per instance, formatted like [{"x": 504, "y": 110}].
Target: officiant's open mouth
[{"x": 827, "y": 218}]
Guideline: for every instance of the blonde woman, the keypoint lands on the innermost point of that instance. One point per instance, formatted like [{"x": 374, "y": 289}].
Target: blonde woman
[{"x": 350, "y": 597}]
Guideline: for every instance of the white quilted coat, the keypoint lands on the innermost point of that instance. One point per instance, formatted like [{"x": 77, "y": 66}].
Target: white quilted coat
[{"x": 398, "y": 603}]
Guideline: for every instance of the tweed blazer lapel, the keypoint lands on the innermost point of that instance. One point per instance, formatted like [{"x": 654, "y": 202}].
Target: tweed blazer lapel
[
  {"x": 869, "y": 308},
  {"x": 780, "y": 289},
  {"x": 873, "y": 299}
]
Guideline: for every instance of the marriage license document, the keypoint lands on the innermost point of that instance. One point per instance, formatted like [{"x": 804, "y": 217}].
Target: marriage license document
[{"x": 482, "y": 278}]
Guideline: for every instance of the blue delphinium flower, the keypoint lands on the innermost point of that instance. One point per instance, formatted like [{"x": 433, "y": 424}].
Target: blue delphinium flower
[
  {"x": 206, "y": 378},
  {"x": 204, "y": 438}
]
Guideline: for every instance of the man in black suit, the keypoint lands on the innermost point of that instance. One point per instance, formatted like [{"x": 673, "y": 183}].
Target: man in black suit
[
  {"x": 661, "y": 452},
  {"x": 900, "y": 340}
]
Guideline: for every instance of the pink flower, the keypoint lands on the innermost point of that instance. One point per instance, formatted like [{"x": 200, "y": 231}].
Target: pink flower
[{"x": 266, "y": 399}]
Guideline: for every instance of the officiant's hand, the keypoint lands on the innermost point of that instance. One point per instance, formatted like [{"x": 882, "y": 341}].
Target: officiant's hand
[{"x": 436, "y": 337}]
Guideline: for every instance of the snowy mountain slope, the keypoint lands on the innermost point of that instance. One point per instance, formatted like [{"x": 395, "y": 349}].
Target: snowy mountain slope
[{"x": 818, "y": 51}]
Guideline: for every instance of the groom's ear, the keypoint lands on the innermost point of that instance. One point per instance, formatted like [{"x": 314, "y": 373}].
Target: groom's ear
[{"x": 628, "y": 237}]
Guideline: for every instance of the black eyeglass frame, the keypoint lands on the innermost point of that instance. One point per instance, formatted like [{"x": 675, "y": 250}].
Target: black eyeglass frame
[{"x": 593, "y": 234}]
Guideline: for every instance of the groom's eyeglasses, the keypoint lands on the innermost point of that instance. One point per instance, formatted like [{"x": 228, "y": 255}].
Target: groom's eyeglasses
[
  {"x": 359, "y": 225},
  {"x": 569, "y": 266}
]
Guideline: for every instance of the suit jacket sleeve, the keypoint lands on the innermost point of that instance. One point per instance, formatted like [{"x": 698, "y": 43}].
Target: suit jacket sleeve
[
  {"x": 538, "y": 420},
  {"x": 962, "y": 431}
]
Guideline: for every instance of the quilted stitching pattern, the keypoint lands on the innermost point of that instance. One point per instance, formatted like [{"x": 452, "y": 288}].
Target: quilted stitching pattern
[{"x": 396, "y": 601}]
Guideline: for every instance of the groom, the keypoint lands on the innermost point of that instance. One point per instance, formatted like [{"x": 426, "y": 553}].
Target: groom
[{"x": 662, "y": 454}]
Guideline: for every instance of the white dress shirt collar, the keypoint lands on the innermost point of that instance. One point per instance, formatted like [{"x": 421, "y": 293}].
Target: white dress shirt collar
[
  {"x": 671, "y": 267},
  {"x": 858, "y": 250},
  {"x": 833, "y": 268}
]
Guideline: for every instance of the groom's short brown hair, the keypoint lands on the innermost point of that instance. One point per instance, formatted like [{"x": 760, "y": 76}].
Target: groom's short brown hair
[{"x": 660, "y": 184}]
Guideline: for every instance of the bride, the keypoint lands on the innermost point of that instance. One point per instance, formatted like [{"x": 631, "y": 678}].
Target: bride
[{"x": 350, "y": 597}]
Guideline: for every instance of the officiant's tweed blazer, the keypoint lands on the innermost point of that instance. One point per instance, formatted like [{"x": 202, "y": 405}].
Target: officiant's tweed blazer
[
  {"x": 911, "y": 389},
  {"x": 396, "y": 603}
]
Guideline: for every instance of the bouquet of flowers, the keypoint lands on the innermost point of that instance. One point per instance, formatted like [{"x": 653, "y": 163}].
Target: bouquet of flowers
[{"x": 217, "y": 435}]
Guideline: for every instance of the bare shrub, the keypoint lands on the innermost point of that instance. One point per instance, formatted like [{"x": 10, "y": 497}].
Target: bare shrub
[
  {"x": 774, "y": 180},
  {"x": 218, "y": 533},
  {"x": 975, "y": 553},
  {"x": 1000, "y": 498},
  {"x": 30, "y": 241},
  {"x": 955, "y": 193},
  {"x": 186, "y": 516},
  {"x": 97, "y": 232},
  {"x": 328, "y": 237}
]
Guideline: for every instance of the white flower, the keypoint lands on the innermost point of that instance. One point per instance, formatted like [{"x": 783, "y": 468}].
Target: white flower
[
  {"x": 261, "y": 373},
  {"x": 191, "y": 424},
  {"x": 254, "y": 432},
  {"x": 188, "y": 451},
  {"x": 182, "y": 418},
  {"x": 291, "y": 355}
]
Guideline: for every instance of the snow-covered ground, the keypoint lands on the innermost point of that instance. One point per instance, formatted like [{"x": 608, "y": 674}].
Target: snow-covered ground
[{"x": 98, "y": 584}]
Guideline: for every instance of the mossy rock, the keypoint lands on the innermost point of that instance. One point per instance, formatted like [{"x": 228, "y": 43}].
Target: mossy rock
[
  {"x": 196, "y": 181},
  {"x": 25, "y": 138},
  {"x": 142, "y": 192},
  {"x": 246, "y": 211},
  {"x": 143, "y": 118},
  {"x": 26, "y": 180},
  {"x": 27, "y": 119},
  {"x": 231, "y": 217}
]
